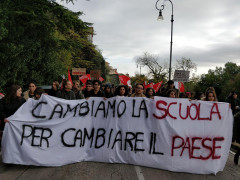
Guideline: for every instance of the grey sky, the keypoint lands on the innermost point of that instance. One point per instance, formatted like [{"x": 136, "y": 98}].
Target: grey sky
[{"x": 208, "y": 32}]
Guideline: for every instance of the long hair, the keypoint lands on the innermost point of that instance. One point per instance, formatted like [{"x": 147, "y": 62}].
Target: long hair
[
  {"x": 171, "y": 90},
  {"x": 147, "y": 91},
  {"x": 11, "y": 94},
  {"x": 57, "y": 84},
  {"x": 117, "y": 92},
  {"x": 214, "y": 95}
]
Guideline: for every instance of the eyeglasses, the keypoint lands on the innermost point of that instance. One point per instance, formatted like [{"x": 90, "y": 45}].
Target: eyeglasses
[{"x": 140, "y": 88}]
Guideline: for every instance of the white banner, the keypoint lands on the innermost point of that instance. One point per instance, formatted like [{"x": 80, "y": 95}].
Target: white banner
[{"x": 166, "y": 133}]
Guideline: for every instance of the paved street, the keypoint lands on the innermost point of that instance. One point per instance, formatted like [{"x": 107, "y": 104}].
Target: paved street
[{"x": 92, "y": 170}]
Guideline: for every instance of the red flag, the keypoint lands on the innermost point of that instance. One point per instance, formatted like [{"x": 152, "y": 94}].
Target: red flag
[
  {"x": 85, "y": 78},
  {"x": 144, "y": 83},
  {"x": 101, "y": 79},
  {"x": 181, "y": 87},
  {"x": 150, "y": 85},
  {"x": 69, "y": 77},
  {"x": 124, "y": 79},
  {"x": 157, "y": 86}
]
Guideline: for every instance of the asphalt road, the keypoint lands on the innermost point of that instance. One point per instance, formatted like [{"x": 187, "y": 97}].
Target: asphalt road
[{"x": 105, "y": 171}]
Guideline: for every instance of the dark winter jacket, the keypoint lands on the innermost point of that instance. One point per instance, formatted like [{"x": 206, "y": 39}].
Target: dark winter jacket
[
  {"x": 9, "y": 108},
  {"x": 99, "y": 94},
  {"x": 236, "y": 128},
  {"x": 234, "y": 103},
  {"x": 79, "y": 95},
  {"x": 53, "y": 92},
  {"x": 69, "y": 95},
  {"x": 86, "y": 93}
]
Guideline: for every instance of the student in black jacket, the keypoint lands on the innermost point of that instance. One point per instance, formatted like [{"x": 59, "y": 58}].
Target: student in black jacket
[
  {"x": 10, "y": 103},
  {"x": 96, "y": 92}
]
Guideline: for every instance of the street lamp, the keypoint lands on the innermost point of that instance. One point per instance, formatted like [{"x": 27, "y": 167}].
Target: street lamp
[
  {"x": 140, "y": 68},
  {"x": 160, "y": 17}
]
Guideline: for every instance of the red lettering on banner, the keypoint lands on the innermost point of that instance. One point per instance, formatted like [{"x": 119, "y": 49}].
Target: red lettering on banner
[
  {"x": 173, "y": 143},
  {"x": 190, "y": 112},
  {"x": 201, "y": 118},
  {"x": 195, "y": 147},
  {"x": 206, "y": 147},
  {"x": 181, "y": 144},
  {"x": 180, "y": 110},
  {"x": 164, "y": 110},
  {"x": 214, "y": 156},
  {"x": 169, "y": 108},
  {"x": 193, "y": 111},
  {"x": 215, "y": 105}
]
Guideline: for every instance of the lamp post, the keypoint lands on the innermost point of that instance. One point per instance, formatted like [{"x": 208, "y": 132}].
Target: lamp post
[
  {"x": 160, "y": 17},
  {"x": 140, "y": 69}
]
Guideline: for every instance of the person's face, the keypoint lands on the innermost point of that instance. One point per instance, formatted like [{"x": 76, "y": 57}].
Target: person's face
[
  {"x": 122, "y": 91},
  {"x": 19, "y": 92},
  {"x": 108, "y": 89},
  {"x": 32, "y": 87},
  {"x": 89, "y": 87},
  {"x": 54, "y": 86},
  {"x": 68, "y": 85},
  {"x": 235, "y": 96},
  {"x": 210, "y": 97},
  {"x": 96, "y": 86},
  {"x": 139, "y": 89},
  {"x": 171, "y": 86},
  {"x": 150, "y": 92},
  {"x": 130, "y": 90},
  {"x": 76, "y": 85},
  {"x": 172, "y": 94}
]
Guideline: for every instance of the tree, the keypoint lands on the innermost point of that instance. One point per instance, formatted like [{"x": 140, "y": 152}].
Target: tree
[
  {"x": 185, "y": 64},
  {"x": 138, "y": 79},
  {"x": 155, "y": 69},
  {"x": 224, "y": 80},
  {"x": 40, "y": 40}
]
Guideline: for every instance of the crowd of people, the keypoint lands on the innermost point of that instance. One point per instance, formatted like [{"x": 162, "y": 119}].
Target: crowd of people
[{"x": 14, "y": 98}]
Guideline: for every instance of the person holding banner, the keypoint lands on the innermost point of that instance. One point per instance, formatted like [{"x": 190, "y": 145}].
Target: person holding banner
[
  {"x": 211, "y": 89},
  {"x": 77, "y": 89},
  {"x": 10, "y": 103},
  {"x": 87, "y": 90},
  {"x": 66, "y": 92},
  {"x": 172, "y": 93},
  {"x": 211, "y": 96},
  {"x": 121, "y": 90},
  {"x": 96, "y": 92},
  {"x": 38, "y": 92},
  {"x": 54, "y": 89},
  {"x": 108, "y": 91},
  {"x": 138, "y": 91},
  {"x": 150, "y": 93}
]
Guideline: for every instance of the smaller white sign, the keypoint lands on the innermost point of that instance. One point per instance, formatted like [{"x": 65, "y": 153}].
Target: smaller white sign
[{"x": 181, "y": 76}]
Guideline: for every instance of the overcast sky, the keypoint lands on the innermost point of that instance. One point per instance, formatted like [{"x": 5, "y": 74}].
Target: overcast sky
[{"x": 207, "y": 32}]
